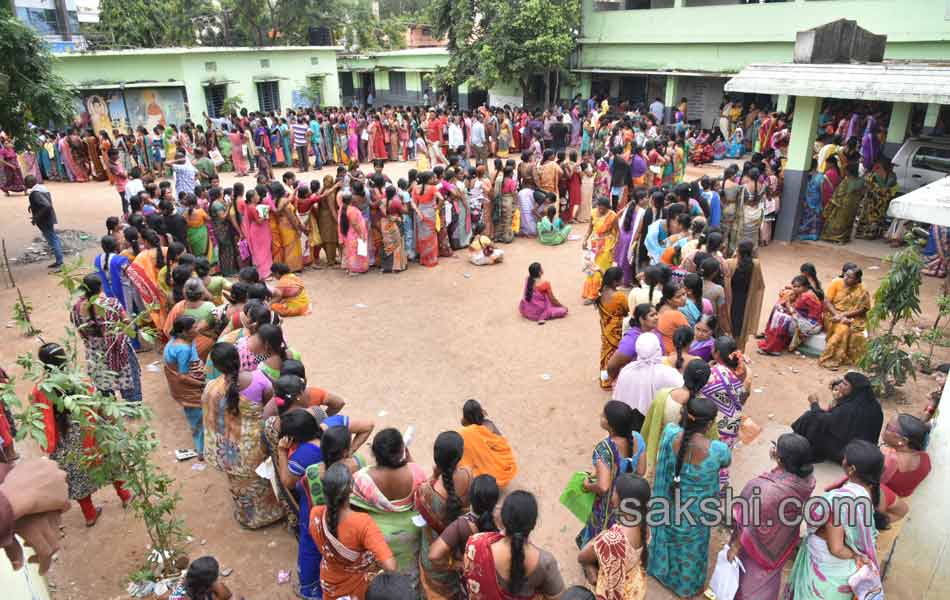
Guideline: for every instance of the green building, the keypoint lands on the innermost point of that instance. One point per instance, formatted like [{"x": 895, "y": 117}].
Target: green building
[
  {"x": 168, "y": 85},
  {"x": 638, "y": 50},
  {"x": 403, "y": 77}
]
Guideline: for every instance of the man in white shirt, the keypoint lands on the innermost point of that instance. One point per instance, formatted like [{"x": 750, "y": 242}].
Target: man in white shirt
[
  {"x": 478, "y": 138},
  {"x": 134, "y": 185},
  {"x": 656, "y": 107},
  {"x": 456, "y": 137}
]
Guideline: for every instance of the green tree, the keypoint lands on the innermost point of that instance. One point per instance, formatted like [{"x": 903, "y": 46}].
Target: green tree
[
  {"x": 35, "y": 94},
  {"x": 506, "y": 40},
  {"x": 153, "y": 23}
]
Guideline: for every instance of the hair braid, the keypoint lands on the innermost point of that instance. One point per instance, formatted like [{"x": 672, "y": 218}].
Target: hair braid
[
  {"x": 453, "y": 504},
  {"x": 517, "y": 574},
  {"x": 233, "y": 394}
]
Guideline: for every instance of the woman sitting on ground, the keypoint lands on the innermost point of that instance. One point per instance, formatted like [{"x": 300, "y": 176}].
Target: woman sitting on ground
[
  {"x": 551, "y": 230},
  {"x": 290, "y": 298},
  {"x": 481, "y": 518},
  {"x": 486, "y": 449},
  {"x": 538, "y": 302},
  {"x": 615, "y": 561},
  {"x": 854, "y": 415},
  {"x": 906, "y": 463},
  {"x": 481, "y": 251},
  {"x": 847, "y": 303},
  {"x": 796, "y": 317},
  {"x": 507, "y": 565}
]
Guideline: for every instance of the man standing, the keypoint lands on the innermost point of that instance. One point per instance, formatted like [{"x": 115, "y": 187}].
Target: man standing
[
  {"x": 434, "y": 130},
  {"x": 204, "y": 166},
  {"x": 44, "y": 217},
  {"x": 656, "y": 108},
  {"x": 478, "y": 138},
  {"x": 301, "y": 133}
]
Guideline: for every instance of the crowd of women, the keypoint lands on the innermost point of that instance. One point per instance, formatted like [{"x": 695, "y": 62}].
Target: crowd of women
[{"x": 673, "y": 275}]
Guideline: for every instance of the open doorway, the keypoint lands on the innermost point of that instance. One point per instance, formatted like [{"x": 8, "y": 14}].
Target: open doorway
[
  {"x": 367, "y": 89},
  {"x": 476, "y": 98}
]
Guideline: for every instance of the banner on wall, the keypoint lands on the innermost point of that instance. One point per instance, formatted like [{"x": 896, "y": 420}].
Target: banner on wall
[{"x": 105, "y": 110}]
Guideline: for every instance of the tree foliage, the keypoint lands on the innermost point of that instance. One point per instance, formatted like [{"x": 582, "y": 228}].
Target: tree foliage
[
  {"x": 35, "y": 93},
  {"x": 151, "y": 23},
  {"x": 505, "y": 40}
]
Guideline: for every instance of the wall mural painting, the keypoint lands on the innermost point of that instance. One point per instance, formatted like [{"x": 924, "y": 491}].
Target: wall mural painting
[{"x": 148, "y": 107}]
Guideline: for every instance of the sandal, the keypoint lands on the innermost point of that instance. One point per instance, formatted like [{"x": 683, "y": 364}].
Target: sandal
[{"x": 96, "y": 520}]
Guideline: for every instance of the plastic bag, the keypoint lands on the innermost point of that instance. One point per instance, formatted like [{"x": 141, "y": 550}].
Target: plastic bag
[
  {"x": 724, "y": 582},
  {"x": 748, "y": 430},
  {"x": 576, "y": 499},
  {"x": 866, "y": 584}
]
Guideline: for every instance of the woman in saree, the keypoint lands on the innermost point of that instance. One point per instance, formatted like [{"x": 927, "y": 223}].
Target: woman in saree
[
  {"x": 285, "y": 229},
  {"x": 621, "y": 451},
  {"x": 766, "y": 545},
  {"x": 98, "y": 167},
  {"x": 111, "y": 266},
  {"x": 794, "y": 318},
  {"x": 238, "y": 156},
  {"x": 441, "y": 500},
  {"x": 831, "y": 553},
  {"x": 640, "y": 380},
  {"x": 612, "y": 307},
  {"x": 289, "y": 296},
  {"x": 111, "y": 362},
  {"x": 351, "y": 544},
  {"x": 847, "y": 303},
  {"x": 327, "y": 214},
  {"x": 400, "y": 477},
  {"x": 599, "y": 243},
  {"x": 195, "y": 305},
  {"x": 843, "y": 206},
  {"x": 936, "y": 264},
  {"x": 687, "y": 467},
  {"x": 811, "y": 223},
  {"x": 504, "y": 138},
  {"x": 393, "y": 256},
  {"x": 354, "y": 234},
  {"x": 487, "y": 452},
  {"x": 881, "y": 189},
  {"x": 232, "y": 410},
  {"x": 427, "y": 200},
  {"x": 257, "y": 231},
  {"x": 80, "y": 156},
  {"x": 143, "y": 273},
  {"x": 226, "y": 236},
  {"x": 185, "y": 376},
  {"x": 728, "y": 387},
  {"x": 615, "y": 561},
  {"x": 748, "y": 289},
  {"x": 199, "y": 241},
  {"x": 490, "y": 555},
  {"x": 538, "y": 302},
  {"x": 11, "y": 177}
]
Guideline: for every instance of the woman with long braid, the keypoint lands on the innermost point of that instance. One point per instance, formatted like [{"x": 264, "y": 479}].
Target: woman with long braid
[
  {"x": 441, "y": 500},
  {"x": 507, "y": 566},
  {"x": 352, "y": 546},
  {"x": 622, "y": 451},
  {"x": 232, "y": 407},
  {"x": 687, "y": 468}
]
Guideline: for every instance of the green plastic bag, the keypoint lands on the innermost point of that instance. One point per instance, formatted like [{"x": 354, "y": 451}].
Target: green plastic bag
[{"x": 576, "y": 499}]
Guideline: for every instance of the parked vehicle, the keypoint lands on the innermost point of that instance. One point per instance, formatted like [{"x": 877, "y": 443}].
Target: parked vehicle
[{"x": 921, "y": 161}]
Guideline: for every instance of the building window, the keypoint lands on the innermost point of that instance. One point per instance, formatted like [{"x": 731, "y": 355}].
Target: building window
[
  {"x": 268, "y": 96},
  {"x": 314, "y": 60},
  {"x": 932, "y": 159},
  {"x": 214, "y": 98},
  {"x": 346, "y": 83},
  {"x": 41, "y": 19},
  {"x": 211, "y": 67},
  {"x": 397, "y": 83},
  {"x": 265, "y": 63}
]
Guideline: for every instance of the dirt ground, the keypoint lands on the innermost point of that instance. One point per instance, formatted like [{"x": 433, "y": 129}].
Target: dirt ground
[{"x": 426, "y": 340}]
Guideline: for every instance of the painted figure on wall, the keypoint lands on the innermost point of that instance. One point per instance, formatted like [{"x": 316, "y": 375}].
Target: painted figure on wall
[
  {"x": 98, "y": 111},
  {"x": 154, "y": 115}
]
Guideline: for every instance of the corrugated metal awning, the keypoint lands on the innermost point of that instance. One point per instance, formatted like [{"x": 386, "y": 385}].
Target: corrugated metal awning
[
  {"x": 107, "y": 85},
  {"x": 928, "y": 204},
  {"x": 888, "y": 81}
]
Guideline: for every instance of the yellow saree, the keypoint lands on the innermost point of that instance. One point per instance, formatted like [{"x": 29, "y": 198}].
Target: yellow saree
[
  {"x": 845, "y": 341},
  {"x": 601, "y": 244}
]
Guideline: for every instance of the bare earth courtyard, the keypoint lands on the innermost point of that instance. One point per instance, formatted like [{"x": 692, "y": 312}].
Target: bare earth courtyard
[{"x": 409, "y": 349}]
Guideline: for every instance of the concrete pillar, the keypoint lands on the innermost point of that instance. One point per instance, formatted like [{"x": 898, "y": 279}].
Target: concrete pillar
[
  {"x": 804, "y": 128},
  {"x": 897, "y": 128},
  {"x": 920, "y": 558},
  {"x": 782, "y": 104},
  {"x": 930, "y": 119},
  {"x": 670, "y": 99},
  {"x": 679, "y": 3}
]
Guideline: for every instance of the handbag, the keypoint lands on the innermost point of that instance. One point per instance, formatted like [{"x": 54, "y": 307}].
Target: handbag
[
  {"x": 215, "y": 155},
  {"x": 576, "y": 499},
  {"x": 244, "y": 249}
]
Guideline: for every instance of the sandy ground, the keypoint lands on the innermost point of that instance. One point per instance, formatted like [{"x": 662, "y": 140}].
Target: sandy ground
[{"x": 426, "y": 340}]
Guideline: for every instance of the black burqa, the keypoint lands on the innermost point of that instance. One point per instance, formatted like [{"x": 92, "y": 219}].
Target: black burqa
[{"x": 857, "y": 416}]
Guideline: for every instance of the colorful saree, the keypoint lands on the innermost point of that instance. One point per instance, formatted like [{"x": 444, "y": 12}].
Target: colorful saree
[
  {"x": 601, "y": 244},
  {"x": 726, "y": 390},
  {"x": 235, "y": 445},
  {"x": 427, "y": 243},
  {"x": 355, "y": 261},
  {"x": 881, "y": 189},
  {"x": 394, "y": 518},
  {"x": 612, "y": 311},
  {"x": 488, "y": 453},
  {"x": 809, "y": 228},
  {"x": 393, "y": 249},
  {"x": 845, "y": 341},
  {"x": 817, "y": 574},
  {"x": 620, "y": 575},
  {"x": 603, "y": 515},
  {"x": 294, "y": 301},
  {"x": 841, "y": 209},
  {"x": 679, "y": 551},
  {"x": 786, "y": 330},
  {"x": 285, "y": 238},
  {"x": 436, "y": 584},
  {"x": 144, "y": 278}
]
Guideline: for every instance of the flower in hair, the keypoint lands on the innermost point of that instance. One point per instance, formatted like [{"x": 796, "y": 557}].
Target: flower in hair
[{"x": 279, "y": 401}]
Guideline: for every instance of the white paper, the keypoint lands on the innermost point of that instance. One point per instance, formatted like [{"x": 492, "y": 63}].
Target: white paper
[
  {"x": 418, "y": 521},
  {"x": 361, "y": 248}
]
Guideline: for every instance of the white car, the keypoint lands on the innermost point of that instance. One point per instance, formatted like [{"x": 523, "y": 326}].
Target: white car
[{"x": 921, "y": 161}]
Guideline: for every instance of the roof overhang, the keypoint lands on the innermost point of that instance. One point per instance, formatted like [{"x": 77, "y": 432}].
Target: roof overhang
[
  {"x": 921, "y": 82},
  {"x": 927, "y": 204},
  {"x": 599, "y": 71},
  {"x": 105, "y": 85}
]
